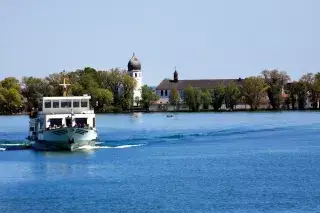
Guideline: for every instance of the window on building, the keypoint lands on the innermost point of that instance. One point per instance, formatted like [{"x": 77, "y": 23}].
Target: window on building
[
  {"x": 66, "y": 104},
  {"x": 166, "y": 93},
  {"x": 84, "y": 103},
  {"x": 55, "y": 104},
  {"x": 47, "y": 104},
  {"x": 161, "y": 92},
  {"x": 76, "y": 103},
  {"x": 135, "y": 74},
  {"x": 181, "y": 94}
]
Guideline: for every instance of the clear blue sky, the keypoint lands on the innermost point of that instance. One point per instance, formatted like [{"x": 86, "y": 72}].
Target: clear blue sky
[{"x": 203, "y": 38}]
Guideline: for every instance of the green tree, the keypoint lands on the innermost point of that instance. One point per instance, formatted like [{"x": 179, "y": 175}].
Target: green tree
[
  {"x": 148, "y": 96},
  {"x": 33, "y": 89},
  {"x": 188, "y": 97},
  {"x": 54, "y": 80},
  {"x": 10, "y": 95},
  {"x": 206, "y": 98},
  {"x": 103, "y": 79},
  {"x": 2, "y": 100},
  {"x": 302, "y": 94},
  {"x": 174, "y": 98},
  {"x": 192, "y": 97},
  {"x": 88, "y": 82},
  {"x": 103, "y": 99},
  {"x": 232, "y": 95},
  {"x": 197, "y": 93},
  {"x": 11, "y": 100},
  {"x": 76, "y": 89},
  {"x": 312, "y": 84},
  {"x": 317, "y": 82},
  {"x": 11, "y": 82},
  {"x": 218, "y": 94},
  {"x": 114, "y": 82},
  {"x": 253, "y": 90},
  {"x": 128, "y": 85},
  {"x": 291, "y": 91},
  {"x": 276, "y": 81}
]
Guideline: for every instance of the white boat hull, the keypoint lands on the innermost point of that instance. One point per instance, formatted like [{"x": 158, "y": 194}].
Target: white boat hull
[{"x": 69, "y": 138}]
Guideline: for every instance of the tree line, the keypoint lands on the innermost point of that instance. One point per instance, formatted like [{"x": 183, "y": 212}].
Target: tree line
[
  {"x": 112, "y": 91},
  {"x": 272, "y": 86}
]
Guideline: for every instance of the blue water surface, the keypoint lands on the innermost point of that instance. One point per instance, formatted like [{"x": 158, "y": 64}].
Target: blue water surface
[{"x": 201, "y": 162}]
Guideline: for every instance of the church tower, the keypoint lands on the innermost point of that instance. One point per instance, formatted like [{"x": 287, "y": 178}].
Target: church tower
[{"x": 134, "y": 70}]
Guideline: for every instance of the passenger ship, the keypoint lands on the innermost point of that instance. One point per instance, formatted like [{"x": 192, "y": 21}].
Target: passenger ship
[{"x": 63, "y": 123}]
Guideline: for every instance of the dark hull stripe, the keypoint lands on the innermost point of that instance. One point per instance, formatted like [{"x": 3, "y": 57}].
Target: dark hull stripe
[{"x": 57, "y": 146}]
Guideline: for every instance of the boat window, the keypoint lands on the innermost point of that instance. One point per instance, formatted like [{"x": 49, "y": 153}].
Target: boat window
[
  {"x": 76, "y": 103},
  {"x": 66, "y": 104},
  {"x": 55, "y": 122},
  {"x": 55, "y": 104},
  {"x": 68, "y": 121},
  {"x": 47, "y": 104},
  {"x": 94, "y": 122},
  {"x": 81, "y": 122},
  {"x": 84, "y": 103}
]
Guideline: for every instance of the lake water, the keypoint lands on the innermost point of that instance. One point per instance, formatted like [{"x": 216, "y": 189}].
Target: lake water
[{"x": 201, "y": 162}]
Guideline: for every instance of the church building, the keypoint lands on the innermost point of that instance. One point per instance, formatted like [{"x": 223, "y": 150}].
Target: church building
[
  {"x": 134, "y": 70},
  {"x": 163, "y": 90}
]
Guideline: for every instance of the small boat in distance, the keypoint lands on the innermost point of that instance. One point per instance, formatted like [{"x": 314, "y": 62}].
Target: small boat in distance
[{"x": 63, "y": 123}]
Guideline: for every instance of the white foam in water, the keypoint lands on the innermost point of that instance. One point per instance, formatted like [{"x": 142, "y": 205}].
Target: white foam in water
[
  {"x": 12, "y": 144},
  {"x": 118, "y": 147},
  {"x": 2, "y": 149},
  {"x": 127, "y": 146},
  {"x": 87, "y": 147},
  {"x": 99, "y": 142}
]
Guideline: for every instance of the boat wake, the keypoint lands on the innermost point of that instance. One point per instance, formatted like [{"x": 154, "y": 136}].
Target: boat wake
[
  {"x": 88, "y": 147},
  {"x": 13, "y": 145},
  {"x": 148, "y": 138}
]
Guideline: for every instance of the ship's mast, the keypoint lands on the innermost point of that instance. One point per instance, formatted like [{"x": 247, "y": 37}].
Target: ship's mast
[{"x": 65, "y": 87}]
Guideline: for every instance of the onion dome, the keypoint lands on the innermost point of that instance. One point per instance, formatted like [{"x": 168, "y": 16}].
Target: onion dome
[{"x": 134, "y": 63}]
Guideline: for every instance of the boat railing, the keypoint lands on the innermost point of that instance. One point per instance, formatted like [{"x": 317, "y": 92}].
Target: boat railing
[{"x": 63, "y": 126}]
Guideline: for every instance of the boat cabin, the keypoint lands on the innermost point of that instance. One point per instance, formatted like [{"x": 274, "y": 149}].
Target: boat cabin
[
  {"x": 62, "y": 105},
  {"x": 58, "y": 112}
]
